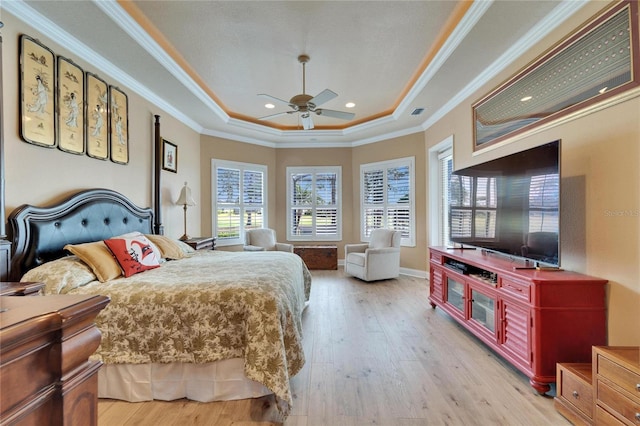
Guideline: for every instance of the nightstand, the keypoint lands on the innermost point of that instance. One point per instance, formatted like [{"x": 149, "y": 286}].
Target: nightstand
[
  {"x": 202, "y": 243},
  {"x": 20, "y": 289}
]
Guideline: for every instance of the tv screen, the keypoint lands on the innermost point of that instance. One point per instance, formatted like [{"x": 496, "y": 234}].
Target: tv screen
[{"x": 510, "y": 205}]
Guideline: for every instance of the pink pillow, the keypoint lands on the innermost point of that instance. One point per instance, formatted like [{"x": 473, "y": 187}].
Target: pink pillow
[{"x": 134, "y": 254}]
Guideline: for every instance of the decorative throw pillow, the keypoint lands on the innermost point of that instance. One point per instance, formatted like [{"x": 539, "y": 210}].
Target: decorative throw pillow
[
  {"x": 98, "y": 257},
  {"x": 134, "y": 254},
  {"x": 61, "y": 275},
  {"x": 169, "y": 248}
]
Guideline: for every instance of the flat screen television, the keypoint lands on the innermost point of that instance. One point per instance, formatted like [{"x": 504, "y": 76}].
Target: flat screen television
[{"x": 510, "y": 205}]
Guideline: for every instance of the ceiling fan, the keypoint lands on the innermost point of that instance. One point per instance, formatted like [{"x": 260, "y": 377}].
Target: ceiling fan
[{"x": 307, "y": 104}]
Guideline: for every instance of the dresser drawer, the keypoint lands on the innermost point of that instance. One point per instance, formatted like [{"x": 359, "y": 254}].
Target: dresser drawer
[
  {"x": 603, "y": 418},
  {"x": 618, "y": 403},
  {"x": 625, "y": 379},
  {"x": 516, "y": 288},
  {"x": 574, "y": 387}
]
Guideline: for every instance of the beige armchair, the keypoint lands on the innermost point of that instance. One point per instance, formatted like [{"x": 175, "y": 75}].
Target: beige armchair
[
  {"x": 264, "y": 239},
  {"x": 377, "y": 260}
]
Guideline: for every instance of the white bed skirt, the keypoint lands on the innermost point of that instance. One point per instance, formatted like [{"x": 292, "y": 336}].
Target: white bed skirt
[{"x": 217, "y": 381}]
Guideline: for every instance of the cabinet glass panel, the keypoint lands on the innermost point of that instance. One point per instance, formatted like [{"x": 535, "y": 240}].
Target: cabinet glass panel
[
  {"x": 483, "y": 310},
  {"x": 455, "y": 292}
]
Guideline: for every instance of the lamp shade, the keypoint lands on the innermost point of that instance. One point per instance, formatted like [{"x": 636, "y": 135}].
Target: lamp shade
[{"x": 185, "y": 198}]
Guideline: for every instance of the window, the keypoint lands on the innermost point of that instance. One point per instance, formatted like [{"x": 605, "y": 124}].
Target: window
[
  {"x": 440, "y": 168},
  {"x": 239, "y": 200},
  {"x": 387, "y": 198},
  {"x": 314, "y": 203}
]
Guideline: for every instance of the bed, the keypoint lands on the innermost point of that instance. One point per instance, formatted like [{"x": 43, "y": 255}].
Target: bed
[{"x": 203, "y": 325}]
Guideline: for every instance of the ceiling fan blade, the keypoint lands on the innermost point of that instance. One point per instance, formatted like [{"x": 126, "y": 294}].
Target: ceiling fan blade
[
  {"x": 325, "y": 96},
  {"x": 268, "y": 117},
  {"x": 273, "y": 98},
  {"x": 335, "y": 114},
  {"x": 307, "y": 122}
]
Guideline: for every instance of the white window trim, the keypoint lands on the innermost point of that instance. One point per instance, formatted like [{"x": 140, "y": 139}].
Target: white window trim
[
  {"x": 315, "y": 169},
  {"x": 435, "y": 205},
  {"x": 214, "y": 199},
  {"x": 410, "y": 161}
]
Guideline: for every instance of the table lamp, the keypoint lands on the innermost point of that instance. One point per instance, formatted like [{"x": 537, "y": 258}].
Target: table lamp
[{"x": 185, "y": 199}]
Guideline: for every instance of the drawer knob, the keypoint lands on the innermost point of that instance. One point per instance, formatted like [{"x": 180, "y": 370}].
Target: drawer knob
[
  {"x": 638, "y": 417},
  {"x": 576, "y": 394},
  {"x": 638, "y": 387}
]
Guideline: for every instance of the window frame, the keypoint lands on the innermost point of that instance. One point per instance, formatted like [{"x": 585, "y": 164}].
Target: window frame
[
  {"x": 438, "y": 200},
  {"x": 409, "y": 241},
  {"x": 314, "y": 170},
  {"x": 242, "y": 167}
]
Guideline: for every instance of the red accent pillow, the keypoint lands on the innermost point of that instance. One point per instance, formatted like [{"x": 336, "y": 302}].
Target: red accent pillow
[{"x": 134, "y": 254}]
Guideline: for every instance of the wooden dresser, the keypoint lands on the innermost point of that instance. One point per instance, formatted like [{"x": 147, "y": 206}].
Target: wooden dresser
[
  {"x": 603, "y": 392},
  {"x": 45, "y": 373},
  {"x": 616, "y": 385}
]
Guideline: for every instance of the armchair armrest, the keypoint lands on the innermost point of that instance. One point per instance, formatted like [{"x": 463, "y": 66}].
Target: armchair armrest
[
  {"x": 253, "y": 248},
  {"x": 355, "y": 248},
  {"x": 284, "y": 247}
]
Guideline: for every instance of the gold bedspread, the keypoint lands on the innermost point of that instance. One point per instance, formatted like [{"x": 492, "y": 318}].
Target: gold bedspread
[{"x": 213, "y": 305}]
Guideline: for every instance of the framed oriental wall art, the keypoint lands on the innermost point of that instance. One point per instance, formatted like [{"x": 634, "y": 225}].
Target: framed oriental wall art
[
  {"x": 118, "y": 126},
  {"x": 96, "y": 124},
  {"x": 37, "y": 93},
  {"x": 71, "y": 105},
  {"x": 592, "y": 68}
]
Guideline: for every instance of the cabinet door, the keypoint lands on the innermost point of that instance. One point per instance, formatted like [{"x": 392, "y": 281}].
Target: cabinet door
[
  {"x": 482, "y": 312},
  {"x": 435, "y": 285},
  {"x": 516, "y": 331},
  {"x": 455, "y": 295}
]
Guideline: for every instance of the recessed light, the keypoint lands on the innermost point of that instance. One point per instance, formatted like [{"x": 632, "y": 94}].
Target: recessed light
[
  {"x": 270, "y": 106},
  {"x": 349, "y": 104},
  {"x": 526, "y": 98}
]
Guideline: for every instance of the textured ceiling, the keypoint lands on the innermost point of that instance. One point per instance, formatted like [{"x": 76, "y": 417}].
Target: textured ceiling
[{"x": 206, "y": 61}]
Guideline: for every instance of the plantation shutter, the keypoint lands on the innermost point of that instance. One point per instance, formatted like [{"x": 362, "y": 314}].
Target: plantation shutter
[{"x": 227, "y": 200}]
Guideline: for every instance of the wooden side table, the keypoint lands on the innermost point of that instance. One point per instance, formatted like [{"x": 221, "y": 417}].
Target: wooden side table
[
  {"x": 202, "y": 243},
  {"x": 20, "y": 289}
]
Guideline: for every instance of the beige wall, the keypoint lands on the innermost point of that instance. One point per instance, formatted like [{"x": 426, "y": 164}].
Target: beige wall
[
  {"x": 600, "y": 160},
  {"x": 406, "y": 146},
  {"x": 317, "y": 157},
  {"x": 41, "y": 176},
  {"x": 224, "y": 149},
  {"x": 600, "y": 188}
]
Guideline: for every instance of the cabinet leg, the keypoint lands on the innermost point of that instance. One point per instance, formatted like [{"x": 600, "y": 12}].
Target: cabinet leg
[
  {"x": 541, "y": 388},
  {"x": 433, "y": 305}
]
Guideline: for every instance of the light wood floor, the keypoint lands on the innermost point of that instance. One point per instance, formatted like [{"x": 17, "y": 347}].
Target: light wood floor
[{"x": 377, "y": 354}]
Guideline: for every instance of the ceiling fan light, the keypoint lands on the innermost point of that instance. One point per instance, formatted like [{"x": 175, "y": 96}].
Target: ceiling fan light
[
  {"x": 350, "y": 105},
  {"x": 269, "y": 106}
]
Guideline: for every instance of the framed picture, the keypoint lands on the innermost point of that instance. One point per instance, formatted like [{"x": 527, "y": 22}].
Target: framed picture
[
  {"x": 71, "y": 107},
  {"x": 37, "y": 94},
  {"x": 118, "y": 126},
  {"x": 565, "y": 79},
  {"x": 169, "y": 156},
  {"x": 96, "y": 124}
]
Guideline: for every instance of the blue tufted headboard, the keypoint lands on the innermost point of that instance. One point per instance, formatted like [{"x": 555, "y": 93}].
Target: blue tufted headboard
[{"x": 39, "y": 234}]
